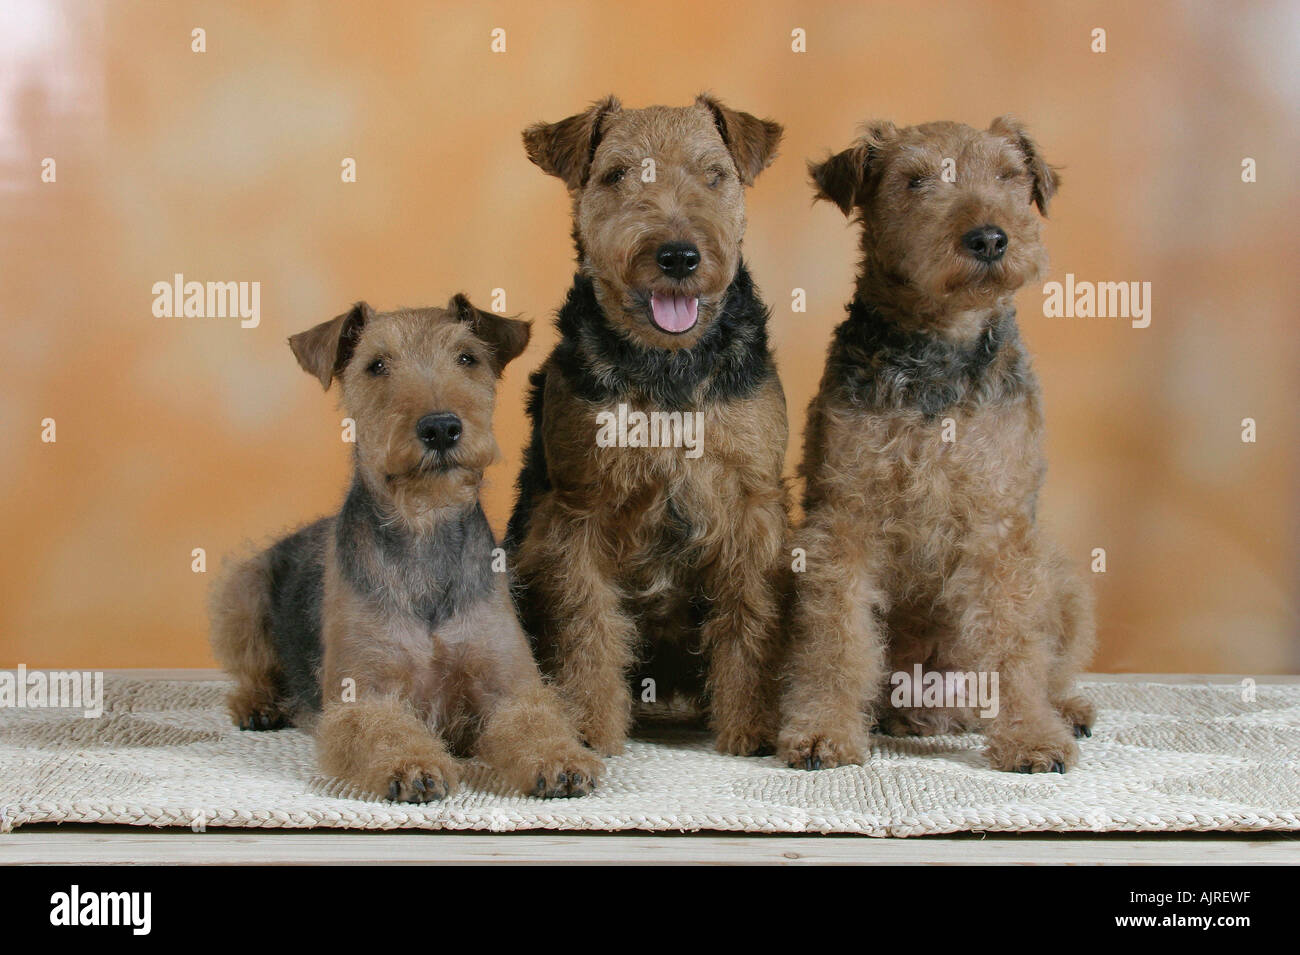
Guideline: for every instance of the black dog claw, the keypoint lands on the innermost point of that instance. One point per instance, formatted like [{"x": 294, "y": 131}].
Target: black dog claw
[{"x": 394, "y": 790}]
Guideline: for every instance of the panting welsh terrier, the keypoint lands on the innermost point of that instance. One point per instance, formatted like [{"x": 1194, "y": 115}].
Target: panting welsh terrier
[
  {"x": 645, "y": 568},
  {"x": 385, "y": 626},
  {"x": 923, "y": 461}
]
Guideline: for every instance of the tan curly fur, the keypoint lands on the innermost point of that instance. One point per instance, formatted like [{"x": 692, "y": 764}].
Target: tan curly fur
[
  {"x": 645, "y": 562},
  {"x": 920, "y": 549},
  {"x": 385, "y": 628}
]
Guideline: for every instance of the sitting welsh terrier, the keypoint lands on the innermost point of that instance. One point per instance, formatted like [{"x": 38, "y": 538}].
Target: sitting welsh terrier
[
  {"x": 648, "y": 570},
  {"x": 923, "y": 461},
  {"x": 385, "y": 626}
]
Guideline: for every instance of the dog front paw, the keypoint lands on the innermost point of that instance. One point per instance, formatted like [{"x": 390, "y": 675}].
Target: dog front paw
[
  {"x": 606, "y": 737},
  {"x": 1055, "y": 754},
  {"x": 254, "y": 711},
  {"x": 820, "y": 749},
  {"x": 422, "y": 781},
  {"x": 571, "y": 772},
  {"x": 269, "y": 718},
  {"x": 744, "y": 741}
]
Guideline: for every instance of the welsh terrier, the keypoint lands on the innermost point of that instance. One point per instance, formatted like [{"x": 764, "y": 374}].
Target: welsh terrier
[
  {"x": 385, "y": 627},
  {"x": 645, "y": 569},
  {"x": 923, "y": 461}
]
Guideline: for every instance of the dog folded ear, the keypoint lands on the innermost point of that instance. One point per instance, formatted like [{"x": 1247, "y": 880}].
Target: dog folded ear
[
  {"x": 506, "y": 337},
  {"x": 565, "y": 149},
  {"x": 323, "y": 351},
  {"x": 845, "y": 177},
  {"x": 751, "y": 141},
  {"x": 1047, "y": 179}
]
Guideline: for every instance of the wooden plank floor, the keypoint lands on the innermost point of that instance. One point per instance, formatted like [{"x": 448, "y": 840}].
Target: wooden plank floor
[
  {"x": 118, "y": 845},
  {"x": 126, "y": 845}
]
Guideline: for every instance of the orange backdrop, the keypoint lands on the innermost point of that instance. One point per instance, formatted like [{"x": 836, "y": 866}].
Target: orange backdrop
[{"x": 175, "y": 434}]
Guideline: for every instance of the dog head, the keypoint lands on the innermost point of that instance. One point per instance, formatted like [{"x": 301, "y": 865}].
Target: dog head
[
  {"x": 420, "y": 383},
  {"x": 950, "y": 215},
  {"x": 658, "y": 206}
]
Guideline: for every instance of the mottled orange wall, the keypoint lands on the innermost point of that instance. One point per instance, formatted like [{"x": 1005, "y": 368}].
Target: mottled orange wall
[{"x": 183, "y": 433}]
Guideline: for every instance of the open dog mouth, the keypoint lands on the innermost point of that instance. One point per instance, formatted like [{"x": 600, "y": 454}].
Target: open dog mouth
[{"x": 673, "y": 312}]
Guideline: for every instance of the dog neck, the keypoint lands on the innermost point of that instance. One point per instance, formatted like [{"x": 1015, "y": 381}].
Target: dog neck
[
  {"x": 888, "y": 366},
  {"x": 431, "y": 571},
  {"x": 959, "y": 318},
  {"x": 731, "y": 359}
]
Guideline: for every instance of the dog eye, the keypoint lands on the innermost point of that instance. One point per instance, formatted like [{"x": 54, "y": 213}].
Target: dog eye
[
  {"x": 614, "y": 176},
  {"x": 377, "y": 367},
  {"x": 1006, "y": 174},
  {"x": 716, "y": 175},
  {"x": 466, "y": 360},
  {"x": 916, "y": 182}
]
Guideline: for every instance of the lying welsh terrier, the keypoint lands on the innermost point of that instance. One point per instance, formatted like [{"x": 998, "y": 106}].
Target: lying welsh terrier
[
  {"x": 923, "y": 460},
  {"x": 648, "y": 570},
  {"x": 385, "y": 626}
]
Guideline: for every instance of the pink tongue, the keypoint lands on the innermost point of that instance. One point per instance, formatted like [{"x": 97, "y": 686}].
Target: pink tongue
[{"x": 673, "y": 313}]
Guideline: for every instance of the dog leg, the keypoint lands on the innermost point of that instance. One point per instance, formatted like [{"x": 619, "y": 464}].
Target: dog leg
[
  {"x": 1000, "y": 633},
  {"x": 241, "y": 640},
  {"x": 525, "y": 734},
  {"x": 382, "y": 746},
  {"x": 837, "y": 653},
  {"x": 588, "y": 638},
  {"x": 741, "y": 631},
  {"x": 527, "y": 738},
  {"x": 1071, "y": 619}
]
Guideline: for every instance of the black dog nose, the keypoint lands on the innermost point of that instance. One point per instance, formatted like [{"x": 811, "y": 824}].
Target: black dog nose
[
  {"x": 987, "y": 243},
  {"x": 677, "y": 259},
  {"x": 438, "y": 431}
]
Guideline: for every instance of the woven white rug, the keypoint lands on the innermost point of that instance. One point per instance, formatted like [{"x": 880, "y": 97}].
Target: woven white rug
[{"x": 1162, "y": 758}]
